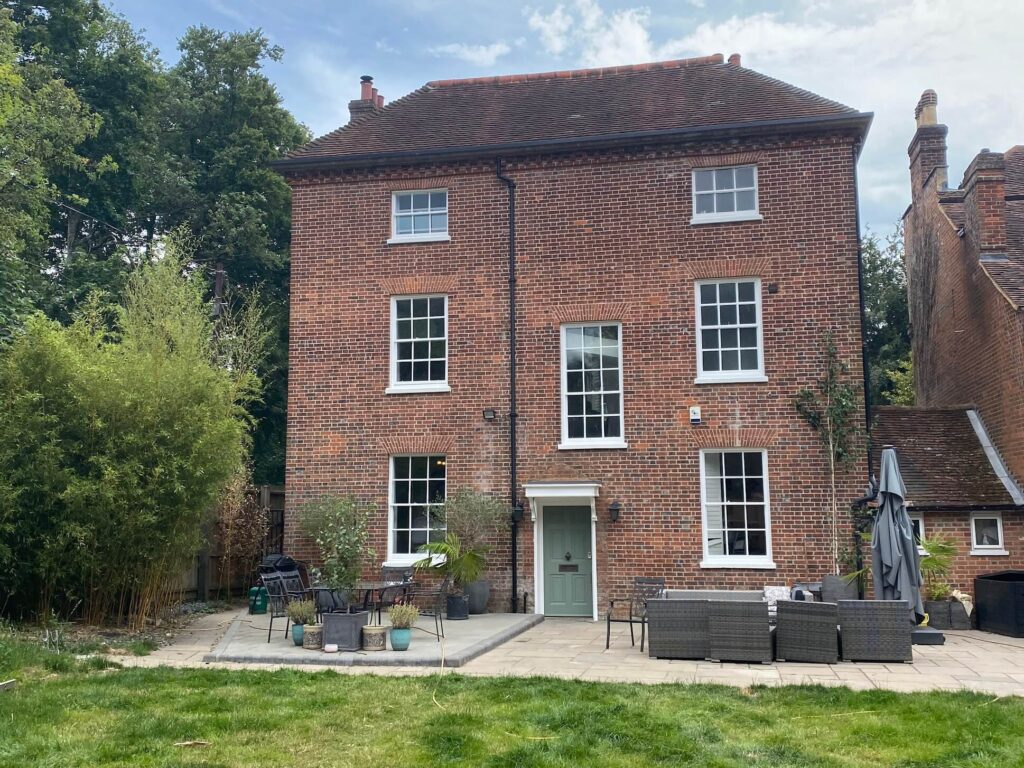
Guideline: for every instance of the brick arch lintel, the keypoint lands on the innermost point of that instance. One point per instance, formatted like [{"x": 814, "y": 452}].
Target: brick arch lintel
[
  {"x": 706, "y": 269},
  {"x": 585, "y": 313},
  {"x": 411, "y": 444},
  {"x": 405, "y": 286},
  {"x": 744, "y": 437}
]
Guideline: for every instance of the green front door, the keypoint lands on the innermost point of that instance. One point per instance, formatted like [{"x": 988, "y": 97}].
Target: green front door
[{"x": 567, "y": 562}]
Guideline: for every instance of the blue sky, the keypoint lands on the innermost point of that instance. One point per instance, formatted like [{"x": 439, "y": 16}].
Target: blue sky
[{"x": 875, "y": 55}]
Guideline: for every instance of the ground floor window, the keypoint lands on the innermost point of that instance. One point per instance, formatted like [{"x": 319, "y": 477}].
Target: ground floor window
[
  {"x": 736, "y": 518},
  {"x": 987, "y": 533},
  {"x": 917, "y": 527},
  {"x": 418, "y": 491}
]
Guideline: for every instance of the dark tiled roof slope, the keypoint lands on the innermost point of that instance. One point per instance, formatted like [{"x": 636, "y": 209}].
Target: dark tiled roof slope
[
  {"x": 940, "y": 457},
  {"x": 561, "y": 106},
  {"x": 1014, "y": 159}
]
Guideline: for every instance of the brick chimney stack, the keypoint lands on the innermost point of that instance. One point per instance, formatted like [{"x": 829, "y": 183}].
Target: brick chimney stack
[
  {"x": 984, "y": 188},
  {"x": 928, "y": 147},
  {"x": 369, "y": 101},
  {"x": 735, "y": 60}
]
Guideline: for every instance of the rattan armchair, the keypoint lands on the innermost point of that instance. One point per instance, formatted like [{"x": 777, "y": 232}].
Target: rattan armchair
[
  {"x": 738, "y": 630},
  {"x": 875, "y": 630},
  {"x": 806, "y": 631},
  {"x": 677, "y": 629}
]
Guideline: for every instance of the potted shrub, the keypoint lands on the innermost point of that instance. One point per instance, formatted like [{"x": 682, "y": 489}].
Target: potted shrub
[
  {"x": 340, "y": 527},
  {"x": 463, "y": 565},
  {"x": 403, "y": 618},
  {"x": 300, "y": 612},
  {"x": 943, "y": 609},
  {"x": 476, "y": 518}
]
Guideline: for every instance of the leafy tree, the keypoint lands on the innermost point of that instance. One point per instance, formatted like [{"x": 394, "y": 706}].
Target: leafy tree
[
  {"x": 42, "y": 125},
  {"x": 901, "y": 383},
  {"x": 887, "y": 327},
  {"x": 830, "y": 408},
  {"x": 117, "y": 442}
]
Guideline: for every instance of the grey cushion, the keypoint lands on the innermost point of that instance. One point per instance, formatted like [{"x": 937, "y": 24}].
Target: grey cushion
[{"x": 715, "y": 594}]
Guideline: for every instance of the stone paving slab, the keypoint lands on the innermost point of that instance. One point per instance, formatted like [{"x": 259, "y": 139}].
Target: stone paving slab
[
  {"x": 573, "y": 649},
  {"x": 245, "y": 641}
]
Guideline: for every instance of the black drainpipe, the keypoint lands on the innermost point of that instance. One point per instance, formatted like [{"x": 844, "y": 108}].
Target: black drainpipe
[{"x": 512, "y": 415}]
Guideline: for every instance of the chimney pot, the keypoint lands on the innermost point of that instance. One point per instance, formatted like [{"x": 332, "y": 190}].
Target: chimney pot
[
  {"x": 380, "y": 101},
  {"x": 927, "y": 112},
  {"x": 365, "y": 87},
  {"x": 735, "y": 59},
  {"x": 373, "y": 96}
]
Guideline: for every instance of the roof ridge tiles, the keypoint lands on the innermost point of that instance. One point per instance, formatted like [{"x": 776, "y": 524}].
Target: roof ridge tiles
[{"x": 715, "y": 58}]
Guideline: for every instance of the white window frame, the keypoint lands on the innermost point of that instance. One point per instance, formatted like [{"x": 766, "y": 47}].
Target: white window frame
[
  {"x": 729, "y": 377},
  {"x": 402, "y": 559},
  {"x": 568, "y": 443},
  {"x": 919, "y": 517},
  {"x": 715, "y": 218},
  {"x": 988, "y": 550},
  {"x": 753, "y": 562},
  {"x": 423, "y": 237},
  {"x": 396, "y": 387}
]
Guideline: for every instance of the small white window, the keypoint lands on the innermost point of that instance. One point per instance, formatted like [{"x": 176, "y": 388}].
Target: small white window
[
  {"x": 592, "y": 386},
  {"x": 416, "y": 499},
  {"x": 735, "y": 514},
  {"x": 729, "y": 344},
  {"x": 725, "y": 194},
  {"x": 987, "y": 534},
  {"x": 419, "y": 216},
  {"x": 419, "y": 344},
  {"x": 917, "y": 527}
]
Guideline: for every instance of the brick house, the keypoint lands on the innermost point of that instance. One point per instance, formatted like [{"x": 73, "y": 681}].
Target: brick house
[
  {"x": 667, "y": 244},
  {"x": 965, "y": 270}
]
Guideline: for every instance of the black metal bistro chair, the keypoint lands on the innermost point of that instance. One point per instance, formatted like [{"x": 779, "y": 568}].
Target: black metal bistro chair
[
  {"x": 644, "y": 588},
  {"x": 277, "y": 600},
  {"x": 400, "y": 578},
  {"x": 431, "y": 602}
]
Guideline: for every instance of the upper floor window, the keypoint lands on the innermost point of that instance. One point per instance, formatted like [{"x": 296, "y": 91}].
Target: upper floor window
[
  {"x": 736, "y": 518},
  {"x": 729, "y": 344},
  {"x": 419, "y": 344},
  {"x": 417, "y": 494},
  {"x": 725, "y": 194},
  {"x": 987, "y": 534},
  {"x": 592, "y": 386},
  {"x": 419, "y": 215}
]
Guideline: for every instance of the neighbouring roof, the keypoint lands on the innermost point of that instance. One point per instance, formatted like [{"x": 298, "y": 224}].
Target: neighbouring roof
[
  {"x": 941, "y": 455},
  {"x": 508, "y": 112}
]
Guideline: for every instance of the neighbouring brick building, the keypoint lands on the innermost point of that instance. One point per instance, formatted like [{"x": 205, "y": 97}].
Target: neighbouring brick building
[
  {"x": 965, "y": 271},
  {"x": 684, "y": 235}
]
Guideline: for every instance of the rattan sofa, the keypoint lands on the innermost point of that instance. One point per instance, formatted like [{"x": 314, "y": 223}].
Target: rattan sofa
[
  {"x": 807, "y": 632},
  {"x": 738, "y": 630},
  {"x": 875, "y": 630},
  {"x": 677, "y": 629}
]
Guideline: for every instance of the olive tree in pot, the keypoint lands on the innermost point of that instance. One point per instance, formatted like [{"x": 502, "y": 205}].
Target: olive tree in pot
[
  {"x": 301, "y": 612},
  {"x": 476, "y": 519},
  {"x": 340, "y": 527},
  {"x": 461, "y": 564},
  {"x": 942, "y": 603}
]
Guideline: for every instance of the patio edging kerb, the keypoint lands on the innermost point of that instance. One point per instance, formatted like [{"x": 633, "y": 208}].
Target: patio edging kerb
[{"x": 357, "y": 659}]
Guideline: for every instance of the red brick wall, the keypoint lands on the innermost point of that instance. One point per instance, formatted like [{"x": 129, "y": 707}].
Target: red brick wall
[
  {"x": 969, "y": 341},
  {"x": 601, "y": 237},
  {"x": 957, "y": 526}
]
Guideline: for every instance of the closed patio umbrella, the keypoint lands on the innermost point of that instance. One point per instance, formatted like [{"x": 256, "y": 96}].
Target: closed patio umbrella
[{"x": 895, "y": 563}]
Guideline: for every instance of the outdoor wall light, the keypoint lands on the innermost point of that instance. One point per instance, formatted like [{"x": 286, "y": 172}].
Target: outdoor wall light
[
  {"x": 615, "y": 509},
  {"x": 490, "y": 414},
  {"x": 517, "y": 512}
]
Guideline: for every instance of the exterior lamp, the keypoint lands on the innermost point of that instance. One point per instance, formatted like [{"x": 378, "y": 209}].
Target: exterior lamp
[
  {"x": 489, "y": 414},
  {"x": 517, "y": 512},
  {"x": 614, "y": 510}
]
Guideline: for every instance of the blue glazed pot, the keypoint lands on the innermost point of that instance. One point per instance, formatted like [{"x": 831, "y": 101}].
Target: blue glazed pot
[
  {"x": 400, "y": 639},
  {"x": 297, "y": 632}
]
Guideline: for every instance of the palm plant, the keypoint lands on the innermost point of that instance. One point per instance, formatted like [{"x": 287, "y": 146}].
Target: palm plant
[
  {"x": 463, "y": 564},
  {"x": 936, "y": 564}
]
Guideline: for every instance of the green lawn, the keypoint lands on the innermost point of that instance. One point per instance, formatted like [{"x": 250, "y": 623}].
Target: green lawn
[{"x": 83, "y": 716}]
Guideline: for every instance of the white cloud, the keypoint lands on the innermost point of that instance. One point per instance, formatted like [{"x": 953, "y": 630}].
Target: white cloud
[
  {"x": 480, "y": 55},
  {"x": 875, "y": 55}
]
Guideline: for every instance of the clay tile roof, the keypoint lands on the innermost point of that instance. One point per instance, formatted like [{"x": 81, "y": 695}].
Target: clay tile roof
[
  {"x": 941, "y": 458},
  {"x": 490, "y": 112},
  {"x": 1014, "y": 159}
]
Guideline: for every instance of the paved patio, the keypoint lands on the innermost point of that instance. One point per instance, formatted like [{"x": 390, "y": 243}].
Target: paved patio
[{"x": 574, "y": 649}]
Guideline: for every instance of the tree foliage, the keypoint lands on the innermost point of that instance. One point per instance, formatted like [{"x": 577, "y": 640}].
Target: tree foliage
[
  {"x": 340, "y": 527},
  {"x": 116, "y": 443},
  {"x": 887, "y": 322}
]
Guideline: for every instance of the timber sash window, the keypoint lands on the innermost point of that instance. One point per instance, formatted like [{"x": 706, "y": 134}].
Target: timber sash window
[
  {"x": 734, "y": 500},
  {"x": 417, "y": 495},
  {"x": 592, "y": 386}
]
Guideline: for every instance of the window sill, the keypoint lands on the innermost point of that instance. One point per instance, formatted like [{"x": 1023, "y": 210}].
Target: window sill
[
  {"x": 758, "y": 564},
  {"x": 989, "y": 553},
  {"x": 584, "y": 445},
  {"x": 404, "y": 561},
  {"x": 758, "y": 378},
  {"x": 435, "y": 237},
  {"x": 725, "y": 218},
  {"x": 399, "y": 389}
]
